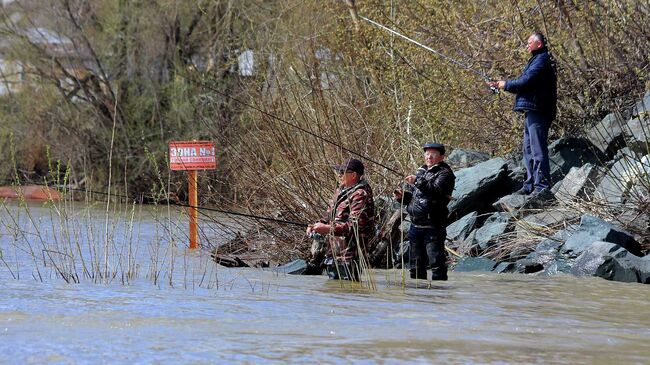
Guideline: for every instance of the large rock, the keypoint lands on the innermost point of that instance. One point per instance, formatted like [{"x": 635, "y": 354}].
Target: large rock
[
  {"x": 592, "y": 229},
  {"x": 504, "y": 267},
  {"x": 636, "y": 218},
  {"x": 629, "y": 268},
  {"x": 517, "y": 204},
  {"x": 594, "y": 256},
  {"x": 619, "y": 180},
  {"x": 559, "y": 265},
  {"x": 612, "y": 262},
  {"x": 543, "y": 222},
  {"x": 295, "y": 267},
  {"x": 607, "y": 135},
  {"x": 515, "y": 179},
  {"x": 579, "y": 183},
  {"x": 569, "y": 152},
  {"x": 460, "y": 158},
  {"x": 511, "y": 203},
  {"x": 638, "y": 134},
  {"x": 535, "y": 261},
  {"x": 462, "y": 227},
  {"x": 545, "y": 254},
  {"x": 467, "y": 264},
  {"x": 477, "y": 187},
  {"x": 496, "y": 225}
]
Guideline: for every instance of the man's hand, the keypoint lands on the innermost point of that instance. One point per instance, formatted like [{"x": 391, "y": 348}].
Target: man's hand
[
  {"x": 500, "y": 84},
  {"x": 410, "y": 179},
  {"x": 321, "y": 228},
  {"x": 309, "y": 229},
  {"x": 398, "y": 194}
]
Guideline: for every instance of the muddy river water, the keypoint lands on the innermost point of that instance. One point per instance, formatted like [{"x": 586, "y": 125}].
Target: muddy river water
[{"x": 164, "y": 304}]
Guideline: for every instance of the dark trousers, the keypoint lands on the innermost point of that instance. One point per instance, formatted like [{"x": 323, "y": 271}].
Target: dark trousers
[
  {"x": 427, "y": 248},
  {"x": 538, "y": 171},
  {"x": 343, "y": 271}
]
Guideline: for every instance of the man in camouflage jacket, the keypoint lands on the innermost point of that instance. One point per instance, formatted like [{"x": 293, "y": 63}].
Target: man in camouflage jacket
[{"x": 349, "y": 222}]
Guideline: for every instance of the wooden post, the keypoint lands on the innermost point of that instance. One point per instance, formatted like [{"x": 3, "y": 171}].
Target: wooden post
[
  {"x": 192, "y": 156},
  {"x": 193, "y": 211}
]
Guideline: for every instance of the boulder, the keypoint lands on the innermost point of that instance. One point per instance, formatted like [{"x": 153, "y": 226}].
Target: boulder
[
  {"x": 607, "y": 135},
  {"x": 515, "y": 179},
  {"x": 517, "y": 204},
  {"x": 496, "y": 225},
  {"x": 504, "y": 267},
  {"x": 592, "y": 229},
  {"x": 515, "y": 160},
  {"x": 543, "y": 222},
  {"x": 550, "y": 244},
  {"x": 511, "y": 203},
  {"x": 535, "y": 261},
  {"x": 579, "y": 183},
  {"x": 460, "y": 158},
  {"x": 638, "y": 134},
  {"x": 614, "y": 189},
  {"x": 629, "y": 268},
  {"x": 560, "y": 265},
  {"x": 467, "y": 246},
  {"x": 467, "y": 264},
  {"x": 636, "y": 217},
  {"x": 295, "y": 267},
  {"x": 569, "y": 152},
  {"x": 612, "y": 262},
  {"x": 594, "y": 256},
  {"x": 477, "y": 187},
  {"x": 461, "y": 228}
]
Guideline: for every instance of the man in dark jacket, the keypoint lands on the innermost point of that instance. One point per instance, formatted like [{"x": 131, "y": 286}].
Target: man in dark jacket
[
  {"x": 427, "y": 201},
  {"x": 349, "y": 223},
  {"x": 536, "y": 91}
]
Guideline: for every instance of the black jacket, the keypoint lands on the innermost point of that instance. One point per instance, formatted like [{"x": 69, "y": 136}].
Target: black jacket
[
  {"x": 427, "y": 203},
  {"x": 536, "y": 88}
]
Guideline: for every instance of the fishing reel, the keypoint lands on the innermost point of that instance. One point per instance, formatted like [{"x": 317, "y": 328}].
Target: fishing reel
[
  {"x": 316, "y": 236},
  {"x": 493, "y": 89}
]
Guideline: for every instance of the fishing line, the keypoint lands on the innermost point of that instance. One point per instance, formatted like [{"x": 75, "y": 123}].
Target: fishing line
[
  {"x": 449, "y": 59},
  {"x": 140, "y": 200},
  {"x": 315, "y": 135}
]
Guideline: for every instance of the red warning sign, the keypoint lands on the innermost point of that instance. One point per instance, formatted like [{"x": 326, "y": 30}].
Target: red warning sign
[{"x": 192, "y": 155}]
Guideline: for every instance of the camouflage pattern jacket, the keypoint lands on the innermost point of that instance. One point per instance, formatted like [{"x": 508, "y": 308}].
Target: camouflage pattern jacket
[{"x": 352, "y": 214}]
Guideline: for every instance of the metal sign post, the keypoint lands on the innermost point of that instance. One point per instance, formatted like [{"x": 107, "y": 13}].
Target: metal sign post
[{"x": 191, "y": 156}]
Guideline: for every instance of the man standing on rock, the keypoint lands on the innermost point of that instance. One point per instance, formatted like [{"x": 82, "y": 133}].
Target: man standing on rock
[
  {"x": 431, "y": 189},
  {"x": 349, "y": 222},
  {"x": 536, "y": 91}
]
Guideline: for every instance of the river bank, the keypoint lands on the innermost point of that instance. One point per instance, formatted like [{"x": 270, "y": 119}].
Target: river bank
[{"x": 594, "y": 221}]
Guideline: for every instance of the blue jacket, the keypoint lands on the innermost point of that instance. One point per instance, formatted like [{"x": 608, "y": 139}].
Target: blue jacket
[{"x": 536, "y": 88}]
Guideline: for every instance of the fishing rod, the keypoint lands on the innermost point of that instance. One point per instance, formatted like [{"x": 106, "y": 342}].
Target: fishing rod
[
  {"x": 324, "y": 139},
  {"x": 437, "y": 53},
  {"x": 142, "y": 196},
  {"x": 140, "y": 199}
]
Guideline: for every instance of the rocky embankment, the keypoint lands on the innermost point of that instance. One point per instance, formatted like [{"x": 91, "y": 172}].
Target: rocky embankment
[{"x": 593, "y": 222}]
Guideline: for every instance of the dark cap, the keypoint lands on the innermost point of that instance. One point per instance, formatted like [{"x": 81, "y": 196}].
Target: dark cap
[
  {"x": 435, "y": 146},
  {"x": 351, "y": 164}
]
